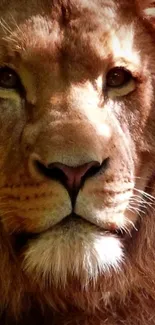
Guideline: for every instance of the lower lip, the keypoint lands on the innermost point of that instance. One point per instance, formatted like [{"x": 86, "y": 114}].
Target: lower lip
[{"x": 20, "y": 240}]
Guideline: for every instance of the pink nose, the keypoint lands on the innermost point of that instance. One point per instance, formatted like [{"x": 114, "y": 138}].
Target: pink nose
[{"x": 74, "y": 175}]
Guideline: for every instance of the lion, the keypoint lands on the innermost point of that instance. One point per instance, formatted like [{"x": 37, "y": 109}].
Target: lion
[{"x": 77, "y": 167}]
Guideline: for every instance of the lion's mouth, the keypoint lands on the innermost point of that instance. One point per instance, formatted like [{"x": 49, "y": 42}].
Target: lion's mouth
[{"x": 21, "y": 239}]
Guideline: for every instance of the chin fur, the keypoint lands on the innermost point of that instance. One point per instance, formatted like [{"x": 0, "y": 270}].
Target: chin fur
[{"x": 83, "y": 253}]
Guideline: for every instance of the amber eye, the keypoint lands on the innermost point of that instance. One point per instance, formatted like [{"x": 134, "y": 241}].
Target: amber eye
[
  {"x": 8, "y": 78},
  {"x": 118, "y": 77}
]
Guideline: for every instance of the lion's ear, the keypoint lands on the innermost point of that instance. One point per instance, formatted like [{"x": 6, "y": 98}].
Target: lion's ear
[{"x": 147, "y": 9}]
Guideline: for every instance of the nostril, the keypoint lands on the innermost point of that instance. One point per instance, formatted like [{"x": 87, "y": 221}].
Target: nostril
[
  {"x": 51, "y": 172},
  {"x": 96, "y": 169},
  {"x": 75, "y": 175},
  {"x": 71, "y": 177}
]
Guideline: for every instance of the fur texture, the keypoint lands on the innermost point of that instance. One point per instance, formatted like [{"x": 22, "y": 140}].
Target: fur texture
[{"x": 96, "y": 268}]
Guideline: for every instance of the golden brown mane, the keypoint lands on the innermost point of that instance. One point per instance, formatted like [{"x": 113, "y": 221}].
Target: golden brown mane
[{"x": 77, "y": 146}]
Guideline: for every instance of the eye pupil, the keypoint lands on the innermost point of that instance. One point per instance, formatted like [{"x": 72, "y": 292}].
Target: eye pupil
[
  {"x": 8, "y": 78},
  {"x": 118, "y": 77}
]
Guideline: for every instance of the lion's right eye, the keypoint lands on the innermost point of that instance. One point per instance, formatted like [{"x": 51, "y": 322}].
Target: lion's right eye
[
  {"x": 8, "y": 78},
  {"x": 118, "y": 77},
  {"x": 119, "y": 82}
]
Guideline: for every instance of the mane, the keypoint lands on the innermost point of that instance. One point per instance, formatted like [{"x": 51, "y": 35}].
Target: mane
[
  {"x": 122, "y": 296},
  {"x": 114, "y": 296}
]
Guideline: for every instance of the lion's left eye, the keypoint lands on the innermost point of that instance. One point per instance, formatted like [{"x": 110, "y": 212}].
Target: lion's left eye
[
  {"x": 8, "y": 78},
  {"x": 118, "y": 77}
]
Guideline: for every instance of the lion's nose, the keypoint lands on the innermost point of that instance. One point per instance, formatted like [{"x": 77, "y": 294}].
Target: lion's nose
[{"x": 72, "y": 178}]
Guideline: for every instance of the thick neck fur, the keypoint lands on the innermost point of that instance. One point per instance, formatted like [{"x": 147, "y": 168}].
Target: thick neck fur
[{"x": 130, "y": 302}]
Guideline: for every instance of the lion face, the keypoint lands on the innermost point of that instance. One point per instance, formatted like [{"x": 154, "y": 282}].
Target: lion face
[{"x": 76, "y": 99}]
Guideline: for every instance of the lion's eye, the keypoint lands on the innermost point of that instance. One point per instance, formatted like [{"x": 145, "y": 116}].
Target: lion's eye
[
  {"x": 8, "y": 78},
  {"x": 118, "y": 77}
]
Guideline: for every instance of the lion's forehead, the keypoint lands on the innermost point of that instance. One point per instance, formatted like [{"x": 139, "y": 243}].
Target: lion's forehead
[{"x": 84, "y": 32}]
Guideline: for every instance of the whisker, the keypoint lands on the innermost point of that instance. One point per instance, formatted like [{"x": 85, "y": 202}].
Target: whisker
[
  {"x": 128, "y": 221},
  {"x": 139, "y": 177},
  {"x": 138, "y": 210},
  {"x": 142, "y": 203},
  {"x": 6, "y": 28},
  {"x": 125, "y": 229},
  {"x": 15, "y": 23},
  {"x": 145, "y": 194}
]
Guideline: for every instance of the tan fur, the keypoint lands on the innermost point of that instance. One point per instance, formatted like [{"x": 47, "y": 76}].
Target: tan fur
[{"x": 81, "y": 273}]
